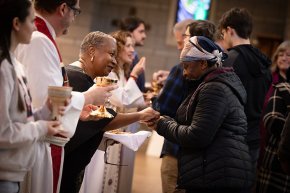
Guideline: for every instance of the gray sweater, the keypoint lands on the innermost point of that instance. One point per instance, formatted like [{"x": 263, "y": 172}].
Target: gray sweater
[{"x": 18, "y": 136}]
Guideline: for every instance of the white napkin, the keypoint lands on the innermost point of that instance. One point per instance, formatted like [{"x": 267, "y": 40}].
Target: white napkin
[{"x": 131, "y": 140}]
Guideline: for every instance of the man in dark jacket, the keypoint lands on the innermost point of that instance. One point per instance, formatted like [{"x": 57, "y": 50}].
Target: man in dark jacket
[{"x": 250, "y": 65}]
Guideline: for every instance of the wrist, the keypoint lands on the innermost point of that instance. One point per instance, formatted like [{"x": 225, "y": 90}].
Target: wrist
[
  {"x": 88, "y": 98},
  {"x": 133, "y": 76}
]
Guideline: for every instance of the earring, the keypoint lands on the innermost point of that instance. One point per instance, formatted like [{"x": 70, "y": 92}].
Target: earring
[{"x": 92, "y": 58}]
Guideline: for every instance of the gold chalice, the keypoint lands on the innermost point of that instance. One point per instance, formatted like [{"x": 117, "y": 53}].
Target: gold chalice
[
  {"x": 102, "y": 111},
  {"x": 156, "y": 87}
]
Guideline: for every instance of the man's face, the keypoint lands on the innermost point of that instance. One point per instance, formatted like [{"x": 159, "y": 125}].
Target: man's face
[
  {"x": 227, "y": 37},
  {"x": 69, "y": 17},
  {"x": 139, "y": 35},
  {"x": 186, "y": 36},
  {"x": 179, "y": 40}
]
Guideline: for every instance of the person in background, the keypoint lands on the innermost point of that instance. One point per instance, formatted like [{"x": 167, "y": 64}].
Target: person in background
[
  {"x": 127, "y": 98},
  {"x": 136, "y": 27},
  {"x": 252, "y": 67},
  {"x": 210, "y": 126},
  {"x": 19, "y": 132},
  {"x": 280, "y": 64},
  {"x": 175, "y": 90},
  {"x": 284, "y": 146},
  {"x": 271, "y": 175},
  {"x": 43, "y": 67},
  {"x": 97, "y": 58}
]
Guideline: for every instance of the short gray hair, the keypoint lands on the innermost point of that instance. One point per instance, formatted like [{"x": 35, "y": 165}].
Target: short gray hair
[
  {"x": 181, "y": 26},
  {"x": 96, "y": 39}
]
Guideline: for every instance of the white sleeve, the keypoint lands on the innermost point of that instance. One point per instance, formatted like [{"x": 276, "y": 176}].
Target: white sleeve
[
  {"x": 42, "y": 66},
  {"x": 127, "y": 96},
  {"x": 71, "y": 117}
]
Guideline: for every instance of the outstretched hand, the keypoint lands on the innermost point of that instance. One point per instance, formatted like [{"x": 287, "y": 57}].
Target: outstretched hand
[
  {"x": 86, "y": 113},
  {"x": 148, "y": 115}
]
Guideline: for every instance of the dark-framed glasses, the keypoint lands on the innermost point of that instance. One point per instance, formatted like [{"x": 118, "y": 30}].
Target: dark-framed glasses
[
  {"x": 185, "y": 35},
  {"x": 76, "y": 11}
]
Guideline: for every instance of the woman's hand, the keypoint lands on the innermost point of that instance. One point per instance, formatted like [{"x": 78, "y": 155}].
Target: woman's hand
[
  {"x": 148, "y": 114},
  {"x": 61, "y": 108},
  {"x": 98, "y": 95},
  {"x": 138, "y": 68},
  {"x": 53, "y": 127},
  {"x": 86, "y": 113}
]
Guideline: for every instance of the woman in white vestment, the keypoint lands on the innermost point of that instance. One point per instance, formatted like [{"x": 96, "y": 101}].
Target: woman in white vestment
[{"x": 114, "y": 178}]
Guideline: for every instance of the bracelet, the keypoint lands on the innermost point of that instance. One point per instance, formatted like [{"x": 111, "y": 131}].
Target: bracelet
[{"x": 134, "y": 77}]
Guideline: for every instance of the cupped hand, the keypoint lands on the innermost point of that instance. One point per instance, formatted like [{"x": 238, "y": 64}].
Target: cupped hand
[
  {"x": 86, "y": 113},
  {"x": 160, "y": 76}
]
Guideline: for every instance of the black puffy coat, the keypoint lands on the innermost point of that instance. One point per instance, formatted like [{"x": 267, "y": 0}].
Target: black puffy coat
[{"x": 210, "y": 128}]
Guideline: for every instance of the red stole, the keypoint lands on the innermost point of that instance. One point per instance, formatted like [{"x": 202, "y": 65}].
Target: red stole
[
  {"x": 56, "y": 151},
  {"x": 42, "y": 27}
]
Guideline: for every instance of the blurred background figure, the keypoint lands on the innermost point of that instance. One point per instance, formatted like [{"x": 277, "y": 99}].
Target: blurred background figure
[
  {"x": 271, "y": 174},
  {"x": 137, "y": 28},
  {"x": 280, "y": 64},
  {"x": 252, "y": 67},
  {"x": 127, "y": 98}
]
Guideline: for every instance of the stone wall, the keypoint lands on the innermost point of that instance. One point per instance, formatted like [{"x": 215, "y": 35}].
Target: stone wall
[{"x": 270, "y": 20}]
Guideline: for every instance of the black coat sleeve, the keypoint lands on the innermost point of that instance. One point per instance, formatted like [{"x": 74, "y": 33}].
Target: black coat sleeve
[{"x": 208, "y": 116}]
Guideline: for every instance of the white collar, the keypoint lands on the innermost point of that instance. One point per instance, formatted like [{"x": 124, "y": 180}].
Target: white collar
[{"x": 49, "y": 26}]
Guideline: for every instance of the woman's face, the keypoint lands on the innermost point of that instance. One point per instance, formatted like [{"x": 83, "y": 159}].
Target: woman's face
[
  {"x": 25, "y": 29},
  {"x": 105, "y": 58},
  {"x": 283, "y": 60},
  {"x": 193, "y": 69},
  {"x": 126, "y": 55}
]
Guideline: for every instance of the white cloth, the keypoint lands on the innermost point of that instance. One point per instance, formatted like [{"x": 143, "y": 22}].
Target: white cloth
[{"x": 42, "y": 68}]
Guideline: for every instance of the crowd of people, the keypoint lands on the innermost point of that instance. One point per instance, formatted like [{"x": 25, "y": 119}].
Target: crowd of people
[{"x": 223, "y": 110}]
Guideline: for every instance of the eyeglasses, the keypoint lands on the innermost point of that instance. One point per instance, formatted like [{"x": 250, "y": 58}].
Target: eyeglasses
[
  {"x": 185, "y": 35},
  {"x": 105, "y": 155},
  {"x": 76, "y": 11}
]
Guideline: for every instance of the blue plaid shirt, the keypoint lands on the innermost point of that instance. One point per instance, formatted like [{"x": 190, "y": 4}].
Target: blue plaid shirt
[{"x": 175, "y": 90}]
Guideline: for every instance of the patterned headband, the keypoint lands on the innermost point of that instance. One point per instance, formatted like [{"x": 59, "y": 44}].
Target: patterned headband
[{"x": 193, "y": 51}]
